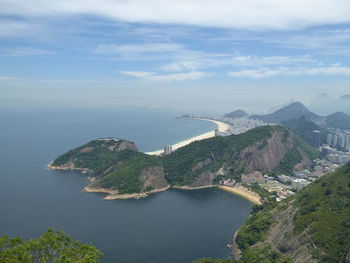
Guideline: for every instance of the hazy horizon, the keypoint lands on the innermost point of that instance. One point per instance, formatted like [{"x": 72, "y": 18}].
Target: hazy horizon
[{"x": 212, "y": 56}]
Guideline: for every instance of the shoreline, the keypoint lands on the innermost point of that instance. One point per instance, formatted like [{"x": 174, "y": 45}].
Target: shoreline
[
  {"x": 221, "y": 126},
  {"x": 136, "y": 195},
  {"x": 113, "y": 194},
  {"x": 242, "y": 192},
  {"x": 189, "y": 188},
  {"x": 68, "y": 168}
]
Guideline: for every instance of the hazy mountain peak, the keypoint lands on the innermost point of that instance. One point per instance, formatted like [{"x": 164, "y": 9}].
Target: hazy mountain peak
[{"x": 292, "y": 111}]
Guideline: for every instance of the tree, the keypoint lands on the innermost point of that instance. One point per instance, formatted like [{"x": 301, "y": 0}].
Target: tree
[{"x": 51, "y": 247}]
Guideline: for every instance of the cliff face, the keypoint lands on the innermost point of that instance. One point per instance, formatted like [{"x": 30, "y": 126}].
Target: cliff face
[
  {"x": 153, "y": 178},
  {"x": 267, "y": 154}
]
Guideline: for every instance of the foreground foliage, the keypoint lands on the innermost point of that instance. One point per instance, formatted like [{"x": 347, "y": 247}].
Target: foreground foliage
[
  {"x": 52, "y": 246},
  {"x": 324, "y": 212}
]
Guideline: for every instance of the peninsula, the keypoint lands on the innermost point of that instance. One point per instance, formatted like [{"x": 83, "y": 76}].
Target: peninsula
[{"x": 117, "y": 168}]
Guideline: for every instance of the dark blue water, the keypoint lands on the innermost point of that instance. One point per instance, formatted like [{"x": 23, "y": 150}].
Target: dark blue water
[{"x": 173, "y": 226}]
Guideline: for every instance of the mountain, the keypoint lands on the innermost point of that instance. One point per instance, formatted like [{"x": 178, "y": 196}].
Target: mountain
[
  {"x": 345, "y": 98},
  {"x": 338, "y": 120},
  {"x": 304, "y": 127},
  {"x": 325, "y": 105},
  {"x": 236, "y": 114},
  {"x": 117, "y": 168},
  {"x": 290, "y": 112},
  {"x": 311, "y": 226}
]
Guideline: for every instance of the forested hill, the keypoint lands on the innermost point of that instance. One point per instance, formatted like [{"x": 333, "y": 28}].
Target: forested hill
[
  {"x": 117, "y": 165},
  {"x": 311, "y": 226}
]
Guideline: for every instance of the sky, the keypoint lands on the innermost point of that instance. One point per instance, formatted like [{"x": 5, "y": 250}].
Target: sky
[{"x": 191, "y": 55}]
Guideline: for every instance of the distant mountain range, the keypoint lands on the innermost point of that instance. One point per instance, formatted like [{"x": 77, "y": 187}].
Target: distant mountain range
[
  {"x": 326, "y": 105},
  {"x": 298, "y": 111}
]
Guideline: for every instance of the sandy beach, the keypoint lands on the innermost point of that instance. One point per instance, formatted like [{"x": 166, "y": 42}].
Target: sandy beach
[
  {"x": 221, "y": 126},
  {"x": 243, "y": 192}
]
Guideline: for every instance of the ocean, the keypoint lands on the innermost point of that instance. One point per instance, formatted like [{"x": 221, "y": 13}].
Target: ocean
[{"x": 173, "y": 226}]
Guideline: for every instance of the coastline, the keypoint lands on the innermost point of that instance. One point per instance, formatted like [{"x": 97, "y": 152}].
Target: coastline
[
  {"x": 221, "y": 126},
  {"x": 113, "y": 194},
  {"x": 192, "y": 188},
  {"x": 136, "y": 196},
  {"x": 243, "y": 192},
  {"x": 68, "y": 168},
  {"x": 100, "y": 190}
]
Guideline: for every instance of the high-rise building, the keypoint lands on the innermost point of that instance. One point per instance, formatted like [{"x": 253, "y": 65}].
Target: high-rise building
[
  {"x": 316, "y": 139},
  {"x": 329, "y": 139},
  {"x": 347, "y": 142},
  {"x": 341, "y": 141},
  {"x": 335, "y": 140},
  {"x": 168, "y": 150}
]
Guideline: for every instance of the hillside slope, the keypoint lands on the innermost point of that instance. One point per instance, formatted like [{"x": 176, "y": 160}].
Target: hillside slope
[
  {"x": 304, "y": 127},
  {"x": 311, "y": 226}
]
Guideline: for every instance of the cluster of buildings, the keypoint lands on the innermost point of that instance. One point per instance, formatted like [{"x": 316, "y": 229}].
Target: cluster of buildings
[
  {"x": 337, "y": 149},
  {"x": 255, "y": 177},
  {"x": 237, "y": 125},
  {"x": 339, "y": 140}
]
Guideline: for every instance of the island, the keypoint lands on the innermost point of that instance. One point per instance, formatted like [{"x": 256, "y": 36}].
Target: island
[{"x": 116, "y": 167}]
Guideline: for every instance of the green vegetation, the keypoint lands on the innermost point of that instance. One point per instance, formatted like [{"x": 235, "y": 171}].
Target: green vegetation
[
  {"x": 254, "y": 229},
  {"x": 117, "y": 165},
  {"x": 212, "y": 260},
  {"x": 52, "y": 246},
  {"x": 324, "y": 212},
  {"x": 216, "y": 152},
  {"x": 322, "y": 217},
  {"x": 294, "y": 157},
  {"x": 126, "y": 176},
  {"x": 264, "y": 254},
  {"x": 286, "y": 166},
  {"x": 95, "y": 156}
]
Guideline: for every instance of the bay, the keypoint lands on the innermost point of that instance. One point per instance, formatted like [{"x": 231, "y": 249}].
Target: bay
[{"x": 173, "y": 226}]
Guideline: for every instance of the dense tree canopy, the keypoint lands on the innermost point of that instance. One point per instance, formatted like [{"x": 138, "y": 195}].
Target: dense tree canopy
[{"x": 51, "y": 247}]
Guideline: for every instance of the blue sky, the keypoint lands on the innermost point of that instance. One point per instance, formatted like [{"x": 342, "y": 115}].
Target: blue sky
[{"x": 207, "y": 56}]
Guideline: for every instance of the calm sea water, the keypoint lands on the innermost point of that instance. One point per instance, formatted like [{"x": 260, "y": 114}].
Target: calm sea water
[{"x": 173, "y": 226}]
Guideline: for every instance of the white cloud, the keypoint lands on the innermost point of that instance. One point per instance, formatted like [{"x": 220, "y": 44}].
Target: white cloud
[
  {"x": 136, "y": 49},
  {"x": 194, "y": 75},
  {"x": 137, "y": 74},
  {"x": 151, "y": 76},
  {"x": 248, "y": 14},
  {"x": 284, "y": 71},
  {"x": 255, "y": 73}
]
